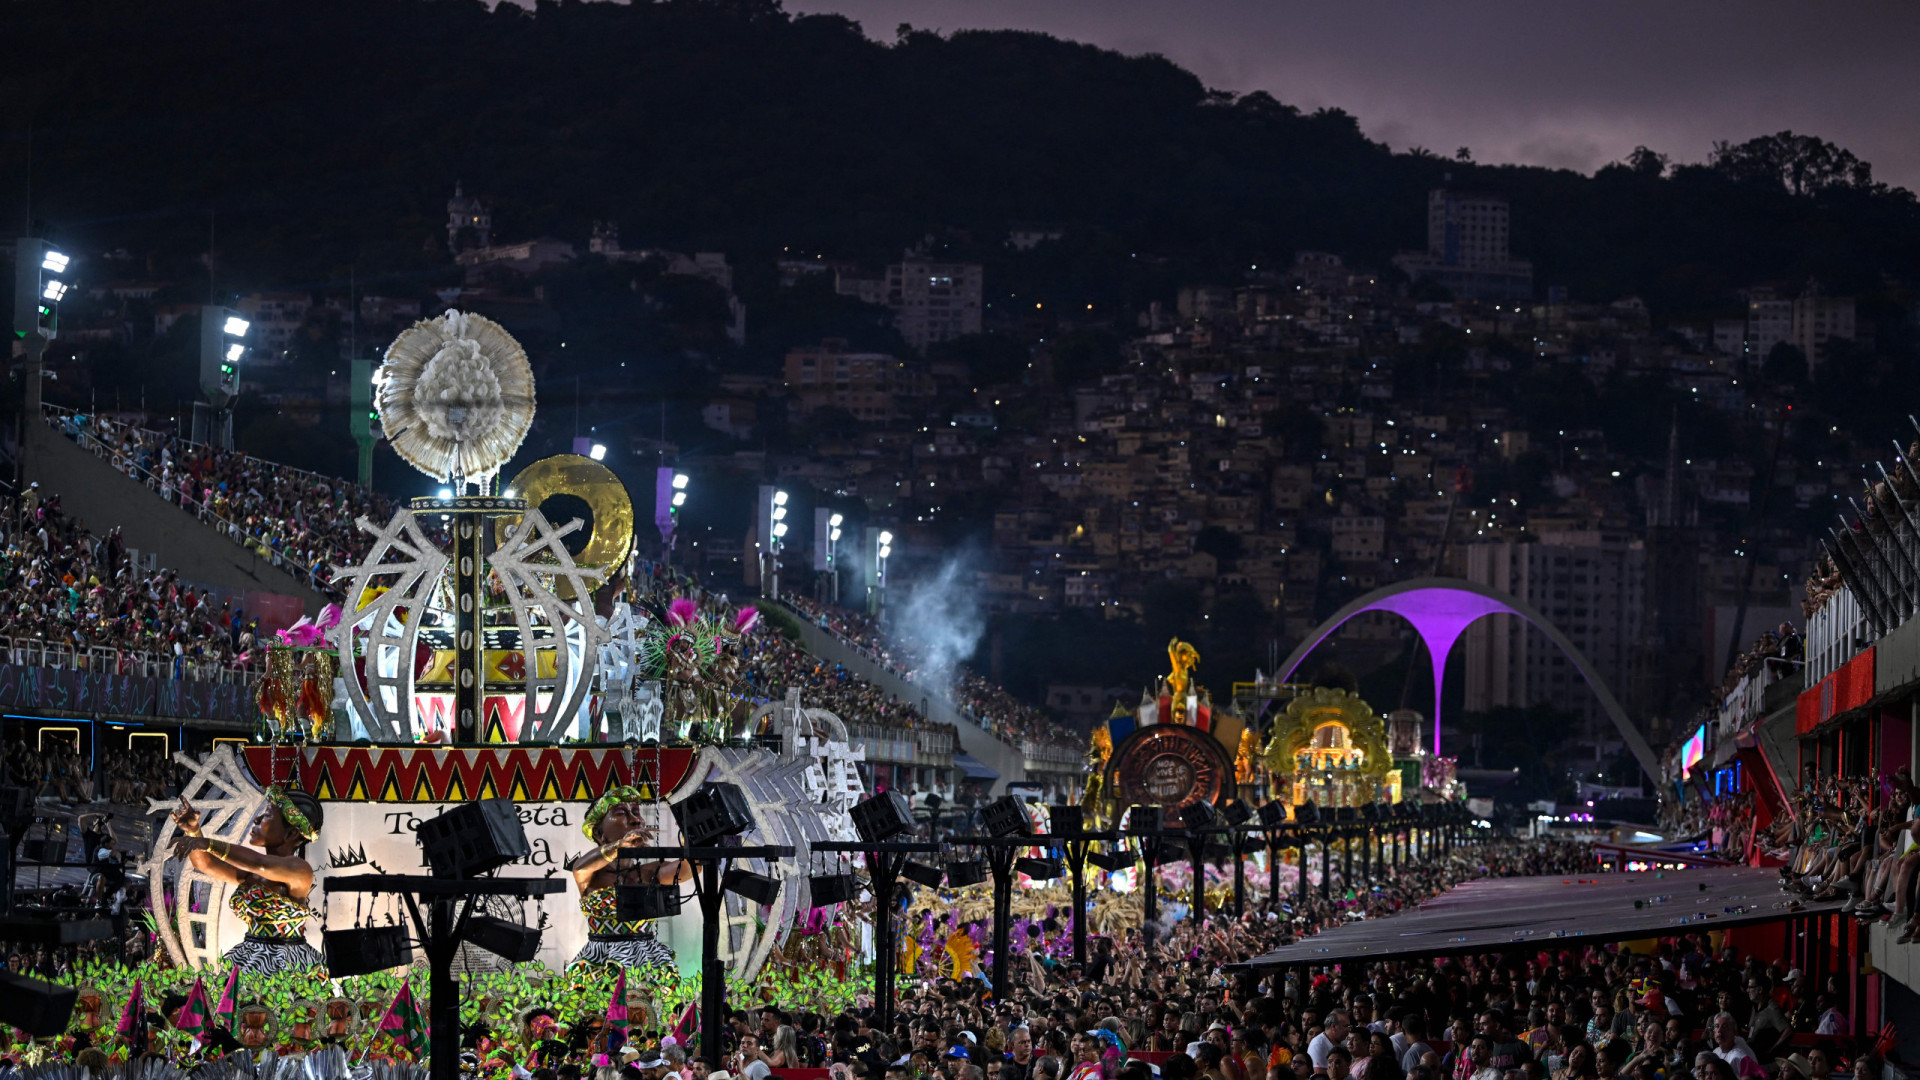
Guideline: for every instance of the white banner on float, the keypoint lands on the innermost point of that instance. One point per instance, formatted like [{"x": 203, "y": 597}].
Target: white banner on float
[{"x": 378, "y": 837}]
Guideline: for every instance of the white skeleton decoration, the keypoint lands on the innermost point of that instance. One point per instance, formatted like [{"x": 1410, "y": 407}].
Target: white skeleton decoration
[
  {"x": 384, "y": 629},
  {"x": 799, "y": 797},
  {"x": 620, "y": 701},
  {"x": 226, "y": 796}
]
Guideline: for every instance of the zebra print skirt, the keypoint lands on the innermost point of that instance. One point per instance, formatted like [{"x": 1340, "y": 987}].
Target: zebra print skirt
[
  {"x": 623, "y": 950},
  {"x": 266, "y": 956}
]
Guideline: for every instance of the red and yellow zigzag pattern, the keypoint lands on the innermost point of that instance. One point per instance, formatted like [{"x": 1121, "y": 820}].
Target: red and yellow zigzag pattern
[{"x": 404, "y": 774}]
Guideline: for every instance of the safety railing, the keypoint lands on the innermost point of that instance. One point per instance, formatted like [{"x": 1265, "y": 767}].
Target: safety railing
[{"x": 107, "y": 660}]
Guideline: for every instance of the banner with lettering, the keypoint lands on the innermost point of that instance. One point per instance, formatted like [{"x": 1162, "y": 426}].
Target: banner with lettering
[{"x": 370, "y": 837}]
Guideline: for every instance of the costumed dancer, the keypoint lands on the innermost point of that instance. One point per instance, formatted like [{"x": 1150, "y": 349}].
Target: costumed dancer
[
  {"x": 616, "y": 820},
  {"x": 270, "y": 885}
]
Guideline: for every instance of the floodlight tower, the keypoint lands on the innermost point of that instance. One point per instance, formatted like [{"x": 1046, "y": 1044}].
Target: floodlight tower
[
  {"x": 826, "y": 551},
  {"x": 880, "y": 549},
  {"x": 772, "y": 521},
  {"x": 40, "y": 282},
  {"x": 223, "y": 344},
  {"x": 669, "y": 495}
]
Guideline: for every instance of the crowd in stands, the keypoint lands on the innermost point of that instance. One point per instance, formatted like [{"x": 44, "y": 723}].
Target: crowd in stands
[
  {"x": 64, "y": 586},
  {"x": 1854, "y": 839},
  {"x": 300, "y": 521},
  {"x": 304, "y": 523},
  {"x": 986, "y": 703},
  {"x": 1775, "y": 653},
  {"x": 59, "y": 772},
  {"x": 1726, "y": 822}
]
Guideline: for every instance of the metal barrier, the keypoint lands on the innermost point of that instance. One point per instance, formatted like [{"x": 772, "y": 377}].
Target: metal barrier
[{"x": 100, "y": 659}]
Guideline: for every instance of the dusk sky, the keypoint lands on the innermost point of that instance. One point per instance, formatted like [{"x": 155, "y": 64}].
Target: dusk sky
[{"x": 1571, "y": 85}]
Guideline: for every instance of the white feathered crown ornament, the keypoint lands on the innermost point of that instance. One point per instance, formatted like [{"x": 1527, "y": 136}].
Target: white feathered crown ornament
[{"x": 455, "y": 397}]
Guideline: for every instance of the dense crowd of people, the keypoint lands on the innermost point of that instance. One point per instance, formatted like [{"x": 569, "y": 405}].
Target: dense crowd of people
[
  {"x": 300, "y": 521},
  {"x": 1172, "y": 1004},
  {"x": 1852, "y": 838},
  {"x": 63, "y": 586}
]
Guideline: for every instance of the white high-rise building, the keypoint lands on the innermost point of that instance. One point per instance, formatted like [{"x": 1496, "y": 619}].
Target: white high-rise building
[
  {"x": 934, "y": 301},
  {"x": 1589, "y": 584},
  {"x": 1465, "y": 229},
  {"x": 1467, "y": 248}
]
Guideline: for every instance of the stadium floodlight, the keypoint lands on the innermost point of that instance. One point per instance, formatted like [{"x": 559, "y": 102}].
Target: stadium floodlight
[
  {"x": 237, "y": 326},
  {"x": 886, "y": 538},
  {"x": 779, "y": 498},
  {"x": 55, "y": 291},
  {"x": 779, "y": 513},
  {"x": 598, "y": 453},
  {"x": 679, "y": 499},
  {"x": 834, "y": 536},
  {"x": 780, "y": 530},
  {"x": 835, "y": 520},
  {"x": 55, "y": 262},
  {"x": 885, "y": 551},
  {"x": 235, "y": 351},
  {"x": 679, "y": 481}
]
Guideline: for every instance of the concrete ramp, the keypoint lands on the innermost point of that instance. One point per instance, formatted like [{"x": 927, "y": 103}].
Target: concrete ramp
[{"x": 102, "y": 496}]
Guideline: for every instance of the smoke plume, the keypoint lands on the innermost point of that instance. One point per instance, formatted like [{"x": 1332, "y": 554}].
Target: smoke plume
[{"x": 941, "y": 619}]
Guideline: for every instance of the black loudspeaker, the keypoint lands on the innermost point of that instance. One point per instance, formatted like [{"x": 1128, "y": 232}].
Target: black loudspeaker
[
  {"x": 1146, "y": 818},
  {"x": 922, "y": 874},
  {"x": 1038, "y": 869},
  {"x": 1307, "y": 813},
  {"x": 632, "y": 903},
  {"x": 39, "y": 1008},
  {"x": 1110, "y": 861},
  {"x": 962, "y": 874},
  {"x": 758, "y": 888},
  {"x": 1237, "y": 812},
  {"x": 365, "y": 950},
  {"x": 1273, "y": 813},
  {"x": 473, "y": 839},
  {"x": 510, "y": 941},
  {"x": 1066, "y": 820},
  {"x": 1005, "y": 816},
  {"x": 1199, "y": 815},
  {"x": 826, "y": 889},
  {"x": 716, "y": 810},
  {"x": 882, "y": 817}
]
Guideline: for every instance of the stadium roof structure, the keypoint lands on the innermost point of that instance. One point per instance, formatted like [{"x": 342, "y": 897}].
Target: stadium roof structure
[{"x": 1557, "y": 911}]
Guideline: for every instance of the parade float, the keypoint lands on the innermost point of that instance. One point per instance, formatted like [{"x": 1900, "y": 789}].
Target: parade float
[{"x": 488, "y": 650}]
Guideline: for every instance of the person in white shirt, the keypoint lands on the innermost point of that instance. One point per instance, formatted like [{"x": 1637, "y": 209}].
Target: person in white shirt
[
  {"x": 1338, "y": 1024},
  {"x": 1729, "y": 1047}
]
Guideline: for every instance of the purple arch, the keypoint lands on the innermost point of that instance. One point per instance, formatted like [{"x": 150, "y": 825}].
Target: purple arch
[{"x": 1440, "y": 610}]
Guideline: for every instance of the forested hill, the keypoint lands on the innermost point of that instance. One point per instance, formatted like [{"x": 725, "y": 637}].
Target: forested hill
[{"x": 311, "y": 135}]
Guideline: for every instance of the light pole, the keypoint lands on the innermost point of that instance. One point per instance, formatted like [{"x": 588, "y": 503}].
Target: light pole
[
  {"x": 833, "y": 563},
  {"x": 877, "y": 586},
  {"x": 39, "y": 284},
  {"x": 669, "y": 495}
]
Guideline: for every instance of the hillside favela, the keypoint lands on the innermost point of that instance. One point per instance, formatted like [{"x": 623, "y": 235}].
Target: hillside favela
[{"x": 846, "y": 540}]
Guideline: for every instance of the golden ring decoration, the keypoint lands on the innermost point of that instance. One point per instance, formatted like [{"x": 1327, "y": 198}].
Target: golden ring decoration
[{"x": 563, "y": 478}]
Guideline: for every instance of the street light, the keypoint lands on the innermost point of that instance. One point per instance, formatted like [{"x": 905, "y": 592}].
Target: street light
[{"x": 598, "y": 453}]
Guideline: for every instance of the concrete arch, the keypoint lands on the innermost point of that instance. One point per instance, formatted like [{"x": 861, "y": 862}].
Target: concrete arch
[{"x": 1440, "y": 610}]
